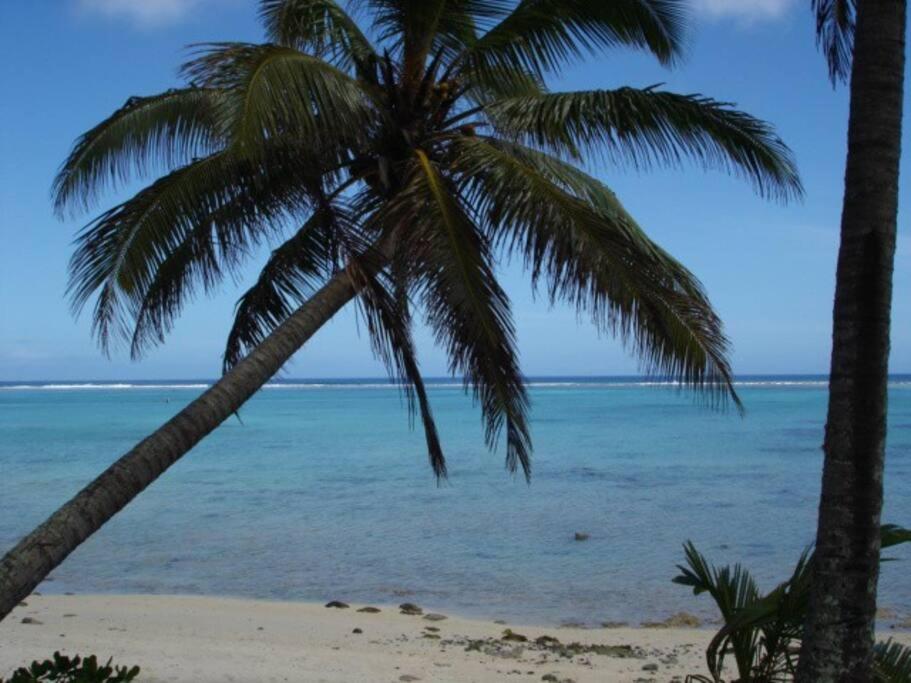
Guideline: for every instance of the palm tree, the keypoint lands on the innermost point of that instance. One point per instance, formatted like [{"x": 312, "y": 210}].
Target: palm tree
[
  {"x": 407, "y": 160},
  {"x": 838, "y": 645}
]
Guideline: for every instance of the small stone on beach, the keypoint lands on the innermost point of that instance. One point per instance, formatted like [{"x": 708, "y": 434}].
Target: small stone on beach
[
  {"x": 410, "y": 609},
  {"x": 29, "y": 620},
  {"x": 678, "y": 620},
  {"x": 369, "y": 610},
  {"x": 432, "y": 616},
  {"x": 337, "y": 604},
  {"x": 572, "y": 624},
  {"x": 547, "y": 640}
]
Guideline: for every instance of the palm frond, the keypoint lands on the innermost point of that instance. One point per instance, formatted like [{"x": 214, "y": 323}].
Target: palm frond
[
  {"x": 273, "y": 91},
  {"x": 408, "y": 27},
  {"x": 465, "y": 306},
  {"x": 835, "y": 35},
  {"x": 294, "y": 271},
  {"x": 241, "y": 203},
  {"x": 318, "y": 27},
  {"x": 201, "y": 259},
  {"x": 541, "y": 36},
  {"x": 484, "y": 92},
  {"x": 291, "y": 274},
  {"x": 460, "y": 23},
  {"x": 573, "y": 231},
  {"x": 892, "y": 662},
  {"x": 146, "y": 134},
  {"x": 389, "y": 324},
  {"x": 765, "y": 632},
  {"x": 777, "y": 620},
  {"x": 732, "y": 589},
  {"x": 647, "y": 127},
  {"x": 415, "y": 29},
  {"x": 893, "y": 534}
]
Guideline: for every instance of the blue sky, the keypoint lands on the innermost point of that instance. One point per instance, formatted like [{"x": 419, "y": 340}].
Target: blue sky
[{"x": 768, "y": 268}]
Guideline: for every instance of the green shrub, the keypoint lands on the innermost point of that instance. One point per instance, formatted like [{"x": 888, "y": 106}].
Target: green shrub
[
  {"x": 62, "y": 669},
  {"x": 763, "y": 633}
]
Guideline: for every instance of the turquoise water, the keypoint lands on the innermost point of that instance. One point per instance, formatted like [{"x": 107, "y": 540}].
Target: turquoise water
[{"x": 322, "y": 492}]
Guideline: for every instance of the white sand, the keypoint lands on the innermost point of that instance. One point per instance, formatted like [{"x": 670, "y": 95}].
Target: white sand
[{"x": 197, "y": 640}]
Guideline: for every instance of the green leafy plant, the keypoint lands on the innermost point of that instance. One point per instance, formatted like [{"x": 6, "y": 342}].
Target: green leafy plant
[
  {"x": 763, "y": 633},
  {"x": 63, "y": 669},
  {"x": 892, "y": 662}
]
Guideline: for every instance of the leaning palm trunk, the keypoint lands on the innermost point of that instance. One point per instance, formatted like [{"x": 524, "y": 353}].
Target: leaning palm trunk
[
  {"x": 36, "y": 555},
  {"x": 839, "y": 635}
]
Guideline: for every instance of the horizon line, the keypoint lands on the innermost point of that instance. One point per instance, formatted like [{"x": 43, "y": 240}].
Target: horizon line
[{"x": 385, "y": 379}]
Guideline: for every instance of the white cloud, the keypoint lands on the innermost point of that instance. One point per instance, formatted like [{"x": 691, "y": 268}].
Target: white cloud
[
  {"x": 744, "y": 10},
  {"x": 142, "y": 12}
]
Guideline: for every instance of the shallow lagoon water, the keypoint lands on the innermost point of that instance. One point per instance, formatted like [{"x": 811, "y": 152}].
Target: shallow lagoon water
[{"x": 322, "y": 492}]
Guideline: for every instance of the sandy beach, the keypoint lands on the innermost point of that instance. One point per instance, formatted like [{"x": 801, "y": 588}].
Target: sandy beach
[{"x": 203, "y": 639}]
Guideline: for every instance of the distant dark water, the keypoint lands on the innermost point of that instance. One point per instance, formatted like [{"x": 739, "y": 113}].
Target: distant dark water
[{"x": 323, "y": 492}]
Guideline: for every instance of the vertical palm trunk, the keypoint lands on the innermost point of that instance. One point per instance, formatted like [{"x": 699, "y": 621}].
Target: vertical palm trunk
[
  {"x": 839, "y": 633},
  {"x": 26, "y": 565}
]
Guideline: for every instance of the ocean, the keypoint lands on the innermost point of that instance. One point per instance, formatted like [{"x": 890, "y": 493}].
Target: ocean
[{"x": 320, "y": 491}]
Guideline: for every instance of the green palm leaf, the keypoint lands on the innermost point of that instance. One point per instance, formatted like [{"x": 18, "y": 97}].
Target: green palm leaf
[
  {"x": 732, "y": 590},
  {"x": 765, "y": 632},
  {"x": 482, "y": 92},
  {"x": 239, "y": 203},
  {"x": 146, "y": 134},
  {"x": 291, "y": 274},
  {"x": 648, "y": 127},
  {"x": 318, "y": 27},
  {"x": 272, "y": 91},
  {"x": 466, "y": 307},
  {"x": 892, "y": 662},
  {"x": 541, "y": 36},
  {"x": 389, "y": 324},
  {"x": 201, "y": 259},
  {"x": 575, "y": 233},
  {"x": 835, "y": 35},
  {"x": 462, "y": 21}
]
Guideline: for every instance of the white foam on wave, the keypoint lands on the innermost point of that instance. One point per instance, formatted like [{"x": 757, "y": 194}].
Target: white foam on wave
[
  {"x": 542, "y": 384},
  {"x": 97, "y": 386}
]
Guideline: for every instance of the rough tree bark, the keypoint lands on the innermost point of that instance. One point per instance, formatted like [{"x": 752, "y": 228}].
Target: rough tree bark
[
  {"x": 838, "y": 642},
  {"x": 36, "y": 555}
]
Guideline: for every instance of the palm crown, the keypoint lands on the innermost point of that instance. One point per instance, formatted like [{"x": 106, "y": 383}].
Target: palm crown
[{"x": 411, "y": 158}]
